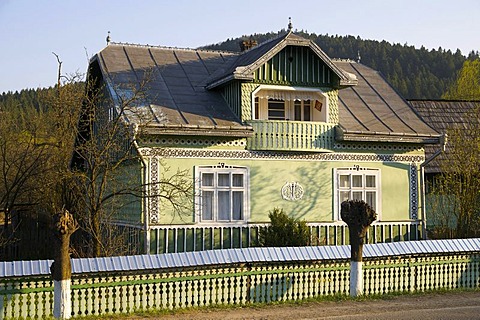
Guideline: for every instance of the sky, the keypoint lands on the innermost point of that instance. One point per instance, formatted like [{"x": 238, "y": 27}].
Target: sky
[{"x": 75, "y": 30}]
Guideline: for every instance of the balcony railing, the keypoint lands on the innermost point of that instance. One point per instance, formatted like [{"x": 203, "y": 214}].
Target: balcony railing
[{"x": 291, "y": 135}]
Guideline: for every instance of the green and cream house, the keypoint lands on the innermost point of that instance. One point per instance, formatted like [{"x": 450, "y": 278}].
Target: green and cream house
[{"x": 280, "y": 125}]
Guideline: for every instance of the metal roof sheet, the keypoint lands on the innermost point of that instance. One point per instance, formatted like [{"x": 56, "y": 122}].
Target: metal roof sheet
[
  {"x": 374, "y": 108},
  {"x": 233, "y": 256},
  {"x": 177, "y": 100}
]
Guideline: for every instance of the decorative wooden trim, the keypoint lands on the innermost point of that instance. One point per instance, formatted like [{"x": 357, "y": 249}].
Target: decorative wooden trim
[
  {"x": 271, "y": 155},
  {"x": 413, "y": 191},
  {"x": 154, "y": 179}
]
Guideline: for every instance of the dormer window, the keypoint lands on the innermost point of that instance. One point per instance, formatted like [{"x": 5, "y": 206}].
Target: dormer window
[
  {"x": 293, "y": 104},
  {"x": 276, "y": 110},
  {"x": 302, "y": 110}
]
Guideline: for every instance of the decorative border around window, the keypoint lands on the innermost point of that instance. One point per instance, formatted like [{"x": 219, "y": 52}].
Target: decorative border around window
[
  {"x": 222, "y": 194},
  {"x": 357, "y": 183}
]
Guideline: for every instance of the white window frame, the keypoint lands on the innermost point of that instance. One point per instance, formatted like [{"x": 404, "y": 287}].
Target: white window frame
[
  {"x": 318, "y": 99},
  {"x": 356, "y": 171},
  {"x": 216, "y": 188}
]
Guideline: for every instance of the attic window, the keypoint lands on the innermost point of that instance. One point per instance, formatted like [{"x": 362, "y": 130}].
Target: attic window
[{"x": 293, "y": 105}]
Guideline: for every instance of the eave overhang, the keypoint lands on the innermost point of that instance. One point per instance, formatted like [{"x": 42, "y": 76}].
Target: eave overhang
[
  {"x": 197, "y": 130},
  {"x": 342, "y": 134}
]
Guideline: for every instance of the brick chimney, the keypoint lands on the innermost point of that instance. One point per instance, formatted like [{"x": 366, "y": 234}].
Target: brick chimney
[{"x": 247, "y": 44}]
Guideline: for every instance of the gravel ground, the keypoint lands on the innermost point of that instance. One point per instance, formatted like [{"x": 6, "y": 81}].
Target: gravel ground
[{"x": 450, "y": 305}]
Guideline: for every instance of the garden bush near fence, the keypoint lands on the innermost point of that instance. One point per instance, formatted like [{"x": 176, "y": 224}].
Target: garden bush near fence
[{"x": 237, "y": 277}]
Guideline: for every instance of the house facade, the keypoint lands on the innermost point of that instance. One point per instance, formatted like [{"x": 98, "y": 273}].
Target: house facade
[{"x": 280, "y": 125}]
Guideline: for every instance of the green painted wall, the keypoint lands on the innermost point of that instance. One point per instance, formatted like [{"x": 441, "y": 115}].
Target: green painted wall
[
  {"x": 128, "y": 207},
  {"x": 267, "y": 177},
  {"x": 296, "y": 66}
]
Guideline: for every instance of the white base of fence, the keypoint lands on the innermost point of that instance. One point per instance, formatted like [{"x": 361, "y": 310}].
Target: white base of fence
[
  {"x": 62, "y": 306},
  {"x": 356, "y": 278}
]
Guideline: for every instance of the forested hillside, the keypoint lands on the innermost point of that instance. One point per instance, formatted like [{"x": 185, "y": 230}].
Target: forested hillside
[{"x": 415, "y": 73}]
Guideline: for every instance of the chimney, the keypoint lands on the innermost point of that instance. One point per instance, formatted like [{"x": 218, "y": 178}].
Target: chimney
[{"x": 247, "y": 44}]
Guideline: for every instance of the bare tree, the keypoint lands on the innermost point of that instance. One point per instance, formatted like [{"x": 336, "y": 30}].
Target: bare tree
[
  {"x": 106, "y": 176},
  {"x": 23, "y": 162},
  {"x": 101, "y": 179},
  {"x": 456, "y": 192},
  {"x": 61, "y": 269},
  {"x": 358, "y": 215}
]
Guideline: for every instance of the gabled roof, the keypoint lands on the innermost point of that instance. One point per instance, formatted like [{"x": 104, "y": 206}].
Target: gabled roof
[
  {"x": 243, "y": 67},
  {"x": 373, "y": 111},
  {"x": 442, "y": 115},
  {"x": 175, "y": 99},
  {"x": 178, "y": 101}
]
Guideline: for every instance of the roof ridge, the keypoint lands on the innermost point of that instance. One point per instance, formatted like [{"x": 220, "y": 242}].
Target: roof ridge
[
  {"x": 168, "y": 47},
  {"x": 343, "y": 60}
]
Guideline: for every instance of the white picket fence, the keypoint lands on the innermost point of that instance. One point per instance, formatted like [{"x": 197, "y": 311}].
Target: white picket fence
[{"x": 237, "y": 277}]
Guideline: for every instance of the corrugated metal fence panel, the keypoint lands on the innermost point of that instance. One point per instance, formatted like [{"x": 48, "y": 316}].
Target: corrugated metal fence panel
[
  {"x": 24, "y": 268},
  {"x": 245, "y": 255}
]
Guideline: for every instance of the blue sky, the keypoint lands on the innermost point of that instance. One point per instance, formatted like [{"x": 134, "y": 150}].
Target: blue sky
[{"x": 30, "y": 30}]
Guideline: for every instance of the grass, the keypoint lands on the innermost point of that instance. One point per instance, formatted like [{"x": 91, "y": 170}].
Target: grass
[{"x": 320, "y": 299}]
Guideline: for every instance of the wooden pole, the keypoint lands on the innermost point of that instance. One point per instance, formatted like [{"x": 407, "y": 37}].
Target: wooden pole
[
  {"x": 358, "y": 215},
  {"x": 61, "y": 268}
]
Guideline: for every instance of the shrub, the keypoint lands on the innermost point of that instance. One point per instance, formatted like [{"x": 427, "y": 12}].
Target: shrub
[{"x": 284, "y": 231}]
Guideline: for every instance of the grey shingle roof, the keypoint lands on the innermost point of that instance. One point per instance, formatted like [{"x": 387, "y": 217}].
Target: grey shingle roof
[
  {"x": 179, "y": 101},
  {"x": 373, "y": 110},
  {"x": 175, "y": 94},
  {"x": 442, "y": 115}
]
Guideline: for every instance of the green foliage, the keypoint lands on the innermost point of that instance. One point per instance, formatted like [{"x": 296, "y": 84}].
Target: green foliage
[
  {"x": 284, "y": 231},
  {"x": 467, "y": 84},
  {"x": 414, "y": 73},
  {"x": 455, "y": 197}
]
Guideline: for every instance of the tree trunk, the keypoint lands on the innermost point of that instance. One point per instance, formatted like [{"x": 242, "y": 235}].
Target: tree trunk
[
  {"x": 61, "y": 268},
  {"x": 97, "y": 245},
  {"x": 357, "y": 239},
  {"x": 358, "y": 216}
]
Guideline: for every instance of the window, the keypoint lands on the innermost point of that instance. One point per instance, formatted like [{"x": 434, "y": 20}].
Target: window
[
  {"x": 289, "y": 103},
  {"x": 357, "y": 184},
  {"x": 222, "y": 193},
  {"x": 302, "y": 110},
  {"x": 276, "y": 109}
]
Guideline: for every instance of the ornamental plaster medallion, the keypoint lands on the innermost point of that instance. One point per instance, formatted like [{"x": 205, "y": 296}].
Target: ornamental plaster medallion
[{"x": 292, "y": 191}]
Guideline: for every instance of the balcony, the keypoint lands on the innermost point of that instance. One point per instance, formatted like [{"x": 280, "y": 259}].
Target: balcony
[{"x": 291, "y": 136}]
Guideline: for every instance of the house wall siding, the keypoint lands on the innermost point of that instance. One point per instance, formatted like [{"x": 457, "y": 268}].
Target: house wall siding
[
  {"x": 130, "y": 177},
  {"x": 270, "y": 171},
  {"x": 296, "y": 66},
  {"x": 247, "y": 89},
  {"x": 232, "y": 95}
]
